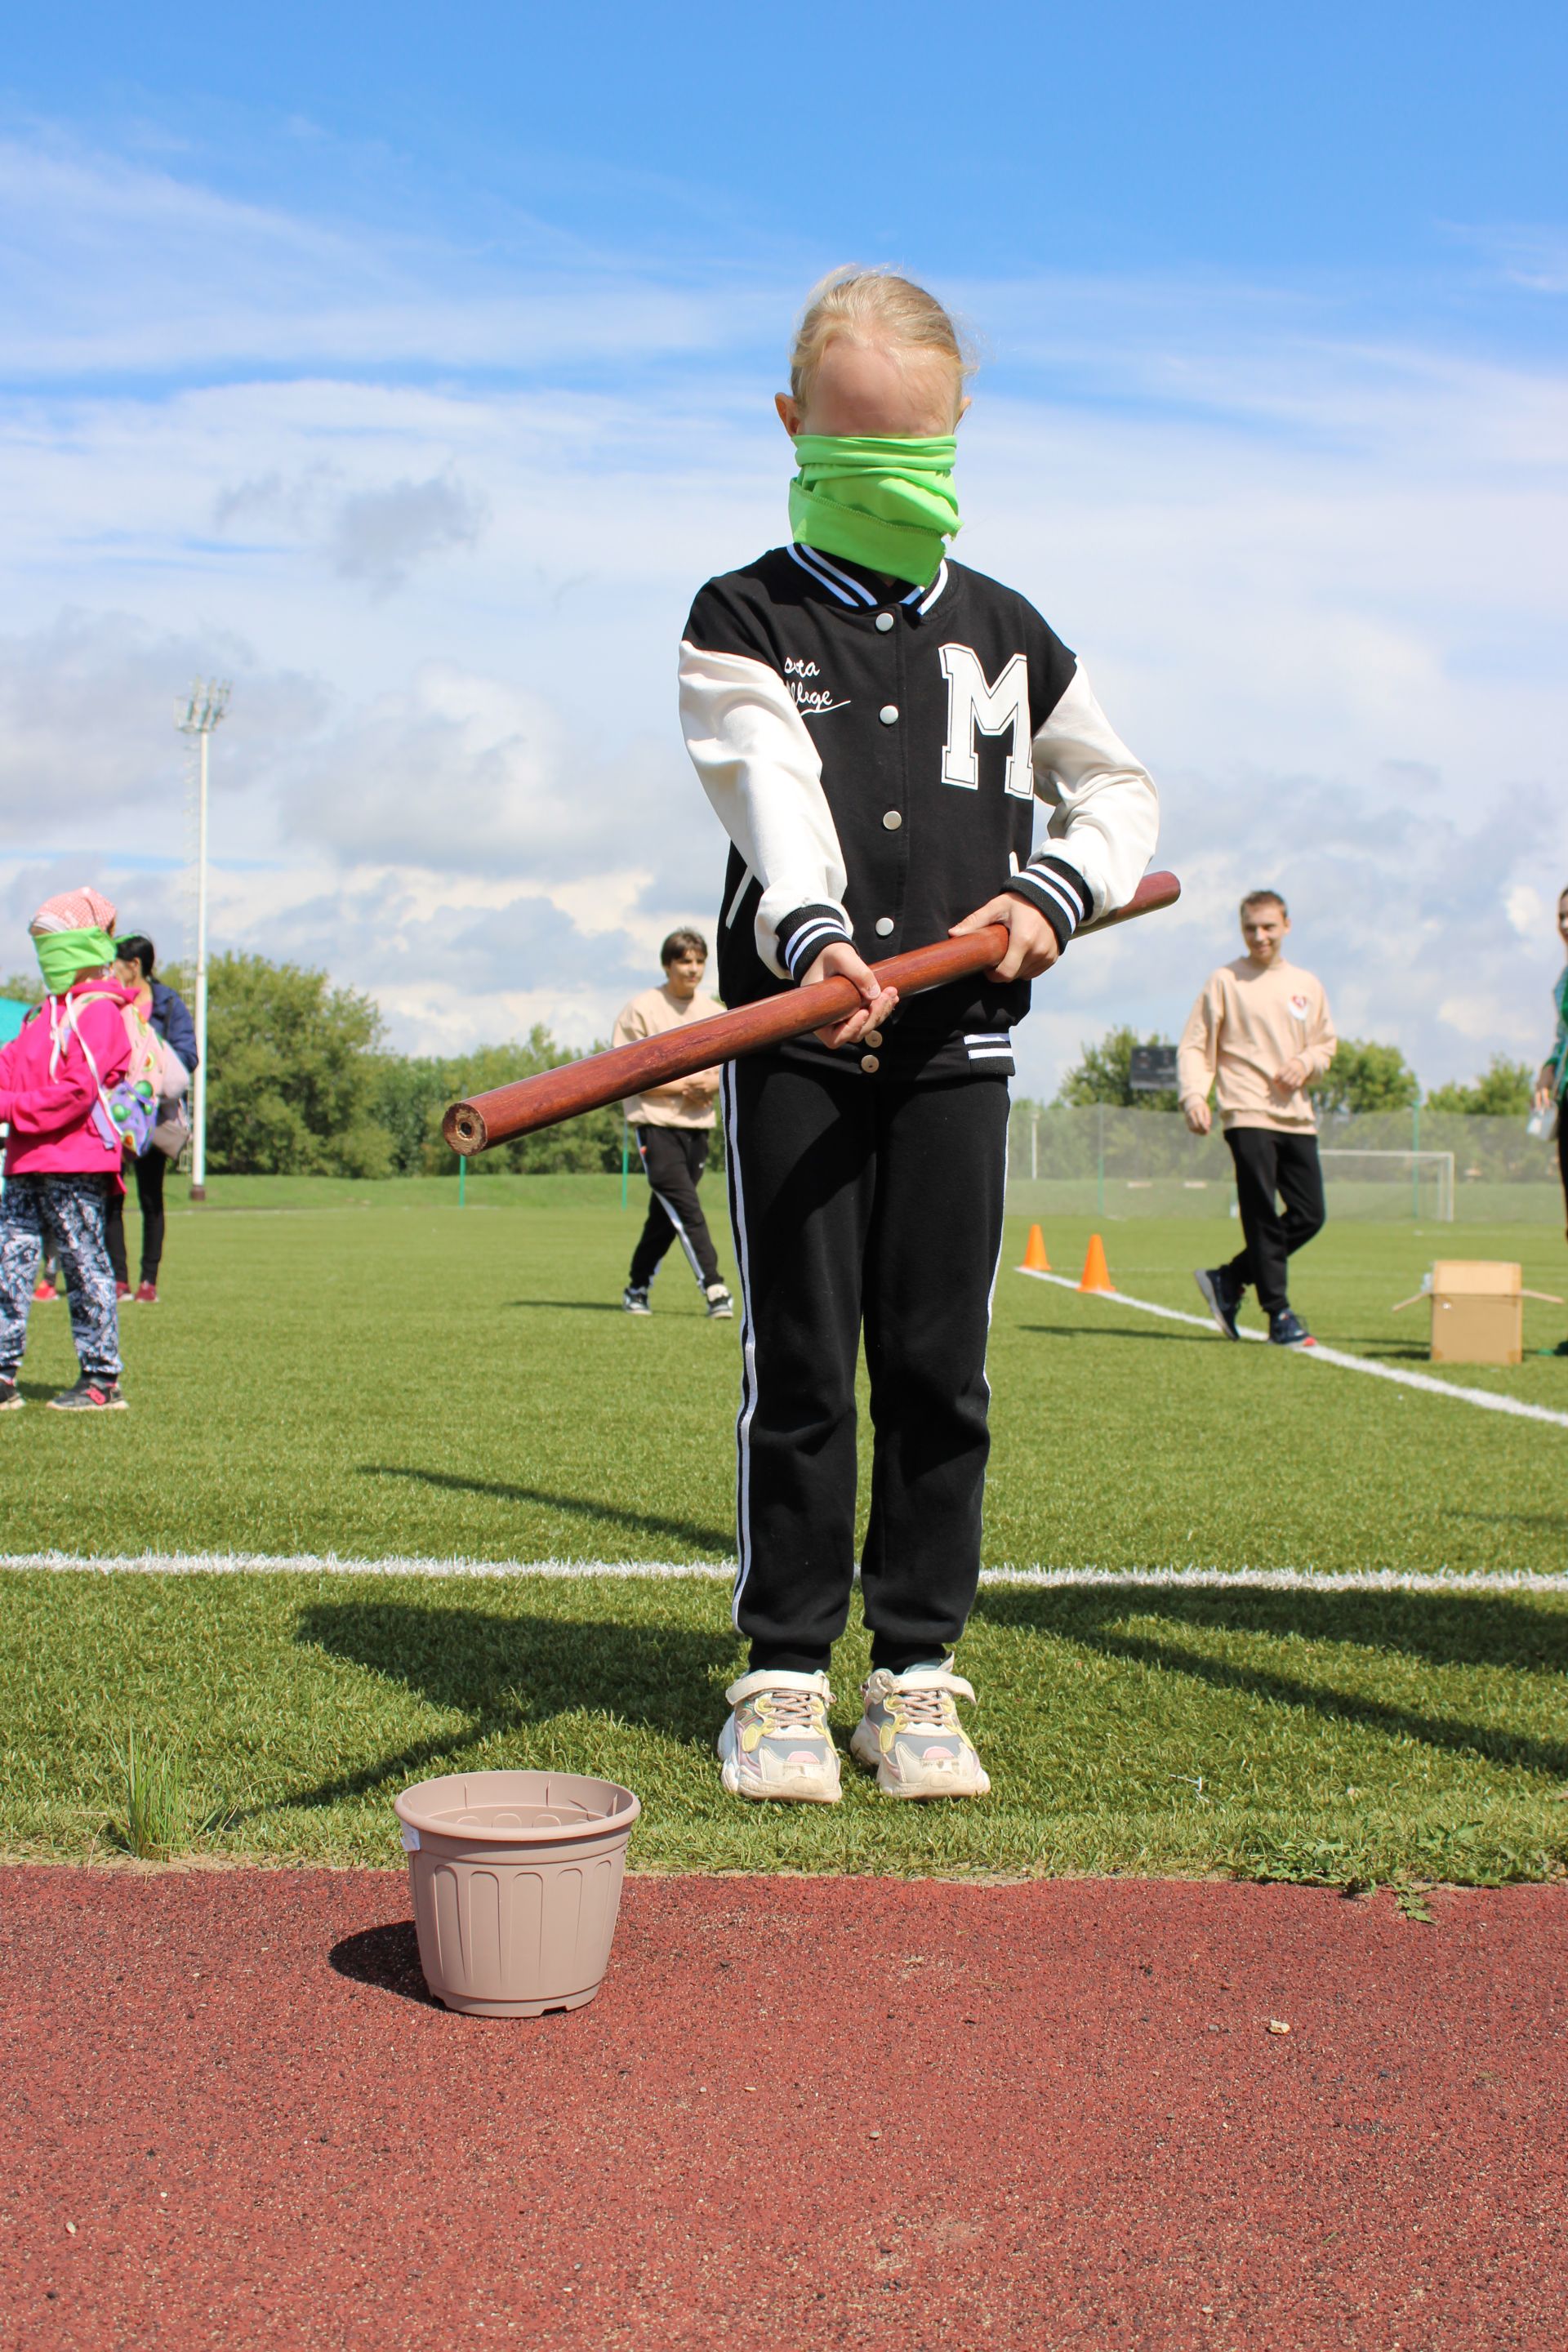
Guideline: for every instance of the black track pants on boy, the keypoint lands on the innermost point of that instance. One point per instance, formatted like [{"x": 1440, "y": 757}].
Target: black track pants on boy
[
  {"x": 856, "y": 1198},
  {"x": 673, "y": 1158},
  {"x": 1269, "y": 1160}
]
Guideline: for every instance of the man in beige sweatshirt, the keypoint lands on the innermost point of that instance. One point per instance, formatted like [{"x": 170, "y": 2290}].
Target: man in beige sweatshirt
[
  {"x": 672, "y": 1125},
  {"x": 1258, "y": 1035}
]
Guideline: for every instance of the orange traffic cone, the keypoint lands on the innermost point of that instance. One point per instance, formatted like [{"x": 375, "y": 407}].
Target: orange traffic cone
[
  {"x": 1034, "y": 1258},
  {"x": 1096, "y": 1274}
]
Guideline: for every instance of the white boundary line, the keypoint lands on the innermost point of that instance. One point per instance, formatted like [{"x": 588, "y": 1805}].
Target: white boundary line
[
  {"x": 1218, "y": 1580},
  {"x": 307, "y": 1563},
  {"x": 1318, "y": 1354}
]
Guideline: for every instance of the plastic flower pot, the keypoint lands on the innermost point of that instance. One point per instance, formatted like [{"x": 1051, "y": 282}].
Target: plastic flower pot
[{"x": 516, "y": 1879}]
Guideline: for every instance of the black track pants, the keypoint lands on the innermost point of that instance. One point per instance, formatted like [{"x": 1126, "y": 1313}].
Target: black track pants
[
  {"x": 151, "y": 1166},
  {"x": 1269, "y": 1161},
  {"x": 673, "y": 1158},
  {"x": 855, "y": 1201}
]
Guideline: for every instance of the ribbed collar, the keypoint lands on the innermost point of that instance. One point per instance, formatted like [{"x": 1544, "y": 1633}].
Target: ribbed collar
[{"x": 861, "y": 591}]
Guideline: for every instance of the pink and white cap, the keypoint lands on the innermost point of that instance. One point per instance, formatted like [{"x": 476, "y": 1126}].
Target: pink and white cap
[{"x": 74, "y": 910}]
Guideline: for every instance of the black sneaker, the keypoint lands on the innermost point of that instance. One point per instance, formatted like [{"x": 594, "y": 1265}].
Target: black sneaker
[
  {"x": 1287, "y": 1329},
  {"x": 720, "y": 1306},
  {"x": 1221, "y": 1297},
  {"x": 92, "y": 1393},
  {"x": 11, "y": 1397},
  {"x": 635, "y": 1299}
]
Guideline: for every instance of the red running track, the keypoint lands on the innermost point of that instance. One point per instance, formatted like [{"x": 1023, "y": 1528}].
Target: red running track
[{"x": 852, "y": 2114}]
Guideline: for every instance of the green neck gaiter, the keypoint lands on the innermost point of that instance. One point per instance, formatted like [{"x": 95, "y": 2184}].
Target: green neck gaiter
[
  {"x": 64, "y": 956},
  {"x": 888, "y": 504}
]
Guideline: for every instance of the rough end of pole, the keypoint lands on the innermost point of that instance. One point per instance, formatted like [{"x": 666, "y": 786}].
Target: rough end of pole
[{"x": 464, "y": 1129}]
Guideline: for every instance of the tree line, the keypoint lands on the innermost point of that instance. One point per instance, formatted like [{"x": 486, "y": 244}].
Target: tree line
[
  {"x": 1363, "y": 1077},
  {"x": 300, "y": 1081}
]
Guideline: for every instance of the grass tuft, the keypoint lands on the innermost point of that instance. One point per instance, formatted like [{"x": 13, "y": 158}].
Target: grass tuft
[{"x": 157, "y": 1820}]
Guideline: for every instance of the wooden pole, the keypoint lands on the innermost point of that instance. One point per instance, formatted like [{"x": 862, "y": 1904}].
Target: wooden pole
[{"x": 529, "y": 1104}]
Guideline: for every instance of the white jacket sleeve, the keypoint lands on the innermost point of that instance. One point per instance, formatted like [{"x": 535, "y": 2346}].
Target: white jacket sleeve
[
  {"x": 1105, "y": 811},
  {"x": 760, "y": 769}
]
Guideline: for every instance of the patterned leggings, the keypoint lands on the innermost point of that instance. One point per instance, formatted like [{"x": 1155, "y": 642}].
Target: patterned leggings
[{"x": 67, "y": 1213}]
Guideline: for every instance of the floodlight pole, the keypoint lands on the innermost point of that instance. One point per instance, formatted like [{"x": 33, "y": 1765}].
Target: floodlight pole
[{"x": 198, "y": 715}]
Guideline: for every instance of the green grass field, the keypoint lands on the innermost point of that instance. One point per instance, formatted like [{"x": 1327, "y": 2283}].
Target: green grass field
[{"x": 367, "y": 1371}]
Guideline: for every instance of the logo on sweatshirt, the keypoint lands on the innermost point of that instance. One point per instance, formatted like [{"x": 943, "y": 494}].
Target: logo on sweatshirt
[
  {"x": 1299, "y": 1006},
  {"x": 810, "y": 700}
]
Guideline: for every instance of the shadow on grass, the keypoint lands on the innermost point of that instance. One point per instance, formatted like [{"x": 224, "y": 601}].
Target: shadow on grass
[
  {"x": 1116, "y": 1331},
  {"x": 572, "y": 1306},
  {"x": 649, "y": 1523},
  {"x": 1377, "y": 1351},
  {"x": 387, "y": 1958},
  {"x": 1558, "y": 1519},
  {"x": 1446, "y": 1629},
  {"x": 502, "y": 1674}
]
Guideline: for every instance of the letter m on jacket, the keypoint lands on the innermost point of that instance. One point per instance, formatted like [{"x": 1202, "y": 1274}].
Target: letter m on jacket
[{"x": 975, "y": 706}]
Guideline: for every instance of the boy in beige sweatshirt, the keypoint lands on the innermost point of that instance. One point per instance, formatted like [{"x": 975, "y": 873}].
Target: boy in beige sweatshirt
[
  {"x": 673, "y": 1125},
  {"x": 1258, "y": 1035}
]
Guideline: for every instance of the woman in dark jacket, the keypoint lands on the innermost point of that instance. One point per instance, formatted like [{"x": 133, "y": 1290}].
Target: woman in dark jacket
[{"x": 170, "y": 1017}]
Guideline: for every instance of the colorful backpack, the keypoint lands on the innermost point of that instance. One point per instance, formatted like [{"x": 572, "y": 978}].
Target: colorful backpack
[{"x": 126, "y": 1113}]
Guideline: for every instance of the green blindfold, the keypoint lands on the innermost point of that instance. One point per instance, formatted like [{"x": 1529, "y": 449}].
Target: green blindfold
[
  {"x": 886, "y": 503},
  {"x": 63, "y": 955}
]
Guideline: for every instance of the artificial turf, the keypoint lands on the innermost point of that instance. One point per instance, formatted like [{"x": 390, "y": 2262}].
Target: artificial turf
[{"x": 400, "y": 1379}]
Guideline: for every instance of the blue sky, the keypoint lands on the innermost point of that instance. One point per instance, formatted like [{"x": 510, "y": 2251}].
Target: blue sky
[{"x": 414, "y": 367}]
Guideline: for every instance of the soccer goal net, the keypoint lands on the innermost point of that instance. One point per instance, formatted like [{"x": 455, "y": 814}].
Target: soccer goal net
[
  {"x": 1117, "y": 1163},
  {"x": 1414, "y": 1184}
]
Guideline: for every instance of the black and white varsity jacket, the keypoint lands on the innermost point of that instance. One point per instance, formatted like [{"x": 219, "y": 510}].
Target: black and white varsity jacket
[{"x": 875, "y": 754}]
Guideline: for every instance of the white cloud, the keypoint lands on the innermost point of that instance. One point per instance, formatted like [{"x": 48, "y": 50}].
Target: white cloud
[
  {"x": 373, "y": 535},
  {"x": 1534, "y": 258},
  {"x": 1526, "y": 910},
  {"x": 88, "y": 748},
  {"x": 379, "y": 534},
  {"x": 115, "y": 267}
]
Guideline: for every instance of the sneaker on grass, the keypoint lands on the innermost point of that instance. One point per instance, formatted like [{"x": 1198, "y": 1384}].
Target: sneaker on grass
[
  {"x": 1286, "y": 1329},
  {"x": 123, "y": 1291},
  {"x": 146, "y": 1294},
  {"x": 720, "y": 1306},
  {"x": 11, "y": 1397},
  {"x": 776, "y": 1742},
  {"x": 94, "y": 1393},
  {"x": 1221, "y": 1296},
  {"x": 46, "y": 1293},
  {"x": 633, "y": 1298},
  {"x": 910, "y": 1737}
]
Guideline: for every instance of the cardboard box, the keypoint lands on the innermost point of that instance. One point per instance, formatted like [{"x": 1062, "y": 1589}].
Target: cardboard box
[{"x": 1478, "y": 1312}]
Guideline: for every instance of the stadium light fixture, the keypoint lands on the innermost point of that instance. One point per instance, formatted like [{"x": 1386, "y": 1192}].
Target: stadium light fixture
[{"x": 202, "y": 710}]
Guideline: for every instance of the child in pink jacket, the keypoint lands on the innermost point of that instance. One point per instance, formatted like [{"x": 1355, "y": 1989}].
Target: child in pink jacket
[{"x": 63, "y": 1153}]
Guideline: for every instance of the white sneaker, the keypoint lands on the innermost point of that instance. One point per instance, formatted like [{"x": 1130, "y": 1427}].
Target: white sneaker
[
  {"x": 776, "y": 1742},
  {"x": 911, "y": 1737}
]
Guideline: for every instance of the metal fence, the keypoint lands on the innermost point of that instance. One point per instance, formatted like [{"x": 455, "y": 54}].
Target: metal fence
[{"x": 1412, "y": 1166}]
